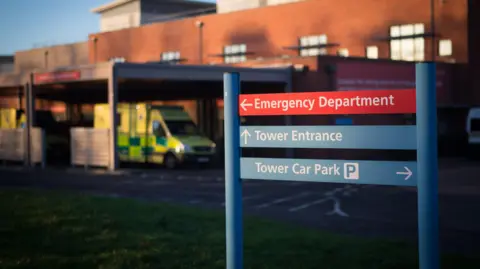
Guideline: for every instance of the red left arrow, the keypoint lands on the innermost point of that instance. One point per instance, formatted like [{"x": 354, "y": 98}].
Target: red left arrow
[{"x": 245, "y": 104}]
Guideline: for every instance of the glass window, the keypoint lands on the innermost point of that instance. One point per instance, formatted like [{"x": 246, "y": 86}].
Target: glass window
[
  {"x": 313, "y": 40},
  {"x": 342, "y": 52},
  {"x": 406, "y": 30},
  {"x": 117, "y": 59},
  {"x": 419, "y": 29},
  {"x": 408, "y": 48},
  {"x": 419, "y": 49},
  {"x": 372, "y": 52},
  {"x": 158, "y": 129},
  {"x": 170, "y": 56},
  {"x": 235, "y": 53},
  {"x": 182, "y": 127},
  {"x": 445, "y": 47},
  {"x": 395, "y": 31}
]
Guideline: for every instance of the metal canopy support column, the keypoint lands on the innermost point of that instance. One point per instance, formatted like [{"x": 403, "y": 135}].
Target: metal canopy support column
[
  {"x": 210, "y": 117},
  {"x": 112, "y": 104},
  {"x": 214, "y": 119},
  {"x": 30, "y": 117},
  {"x": 20, "y": 95},
  {"x": 70, "y": 112},
  {"x": 201, "y": 115}
]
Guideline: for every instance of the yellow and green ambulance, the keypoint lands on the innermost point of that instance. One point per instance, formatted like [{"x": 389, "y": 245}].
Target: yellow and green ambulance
[{"x": 157, "y": 134}]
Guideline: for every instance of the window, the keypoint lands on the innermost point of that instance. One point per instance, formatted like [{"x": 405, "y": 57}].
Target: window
[
  {"x": 445, "y": 47},
  {"x": 117, "y": 59},
  {"x": 235, "y": 53},
  {"x": 179, "y": 127},
  {"x": 405, "y": 47},
  {"x": 170, "y": 56},
  {"x": 313, "y": 40},
  {"x": 342, "y": 52},
  {"x": 372, "y": 52},
  {"x": 157, "y": 129}
]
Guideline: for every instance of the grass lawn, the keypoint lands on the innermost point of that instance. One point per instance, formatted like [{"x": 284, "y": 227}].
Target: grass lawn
[{"x": 44, "y": 229}]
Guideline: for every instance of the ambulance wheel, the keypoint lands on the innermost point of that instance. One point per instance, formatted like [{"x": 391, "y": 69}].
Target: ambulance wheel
[{"x": 170, "y": 161}]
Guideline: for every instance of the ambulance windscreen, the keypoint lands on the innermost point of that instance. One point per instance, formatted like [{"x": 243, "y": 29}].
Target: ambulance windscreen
[{"x": 184, "y": 128}]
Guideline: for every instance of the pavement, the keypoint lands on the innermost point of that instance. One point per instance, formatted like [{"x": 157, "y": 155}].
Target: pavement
[{"x": 365, "y": 210}]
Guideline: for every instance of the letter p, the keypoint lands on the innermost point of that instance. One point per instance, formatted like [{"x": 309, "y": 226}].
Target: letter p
[{"x": 351, "y": 171}]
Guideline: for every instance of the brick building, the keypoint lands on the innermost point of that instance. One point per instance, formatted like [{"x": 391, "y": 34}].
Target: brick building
[
  {"x": 334, "y": 45},
  {"x": 338, "y": 42},
  {"x": 399, "y": 30}
]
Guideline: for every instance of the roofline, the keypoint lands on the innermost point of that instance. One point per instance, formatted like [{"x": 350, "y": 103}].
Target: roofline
[
  {"x": 7, "y": 58},
  {"x": 101, "y": 71},
  {"x": 118, "y": 3},
  {"x": 111, "y": 5}
]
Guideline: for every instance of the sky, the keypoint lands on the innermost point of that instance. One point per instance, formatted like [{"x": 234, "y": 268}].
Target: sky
[{"x": 26, "y": 24}]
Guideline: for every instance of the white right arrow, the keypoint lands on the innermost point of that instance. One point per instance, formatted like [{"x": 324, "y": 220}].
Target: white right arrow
[
  {"x": 244, "y": 104},
  {"x": 245, "y": 134},
  {"x": 408, "y": 173}
]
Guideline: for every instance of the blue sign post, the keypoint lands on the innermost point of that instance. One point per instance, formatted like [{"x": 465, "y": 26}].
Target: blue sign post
[
  {"x": 423, "y": 173},
  {"x": 233, "y": 184},
  {"x": 427, "y": 161}
]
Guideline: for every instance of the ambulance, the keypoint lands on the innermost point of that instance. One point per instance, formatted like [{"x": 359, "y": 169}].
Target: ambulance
[{"x": 158, "y": 134}]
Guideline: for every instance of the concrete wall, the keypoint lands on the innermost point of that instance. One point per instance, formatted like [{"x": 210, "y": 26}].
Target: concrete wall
[
  {"x": 225, "y": 6},
  {"x": 52, "y": 57},
  {"x": 124, "y": 16},
  {"x": 6, "y": 67},
  {"x": 6, "y": 64},
  {"x": 154, "y": 11}
]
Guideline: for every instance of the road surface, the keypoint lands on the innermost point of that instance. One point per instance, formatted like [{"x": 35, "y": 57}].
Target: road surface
[{"x": 365, "y": 210}]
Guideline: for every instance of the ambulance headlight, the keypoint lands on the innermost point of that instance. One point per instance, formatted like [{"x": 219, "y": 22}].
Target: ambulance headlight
[
  {"x": 178, "y": 148},
  {"x": 182, "y": 148}
]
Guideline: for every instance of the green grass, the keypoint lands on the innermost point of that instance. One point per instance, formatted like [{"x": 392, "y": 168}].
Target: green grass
[{"x": 43, "y": 229}]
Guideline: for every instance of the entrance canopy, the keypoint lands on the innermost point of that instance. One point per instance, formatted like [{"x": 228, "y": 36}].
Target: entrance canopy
[
  {"x": 12, "y": 84},
  {"x": 139, "y": 81}
]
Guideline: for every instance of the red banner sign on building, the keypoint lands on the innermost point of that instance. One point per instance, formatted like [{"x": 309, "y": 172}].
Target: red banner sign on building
[
  {"x": 329, "y": 103},
  {"x": 56, "y": 76},
  {"x": 365, "y": 75}
]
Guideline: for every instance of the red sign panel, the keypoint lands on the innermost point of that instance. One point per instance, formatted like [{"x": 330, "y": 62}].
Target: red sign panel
[
  {"x": 363, "y": 75},
  {"x": 329, "y": 103},
  {"x": 56, "y": 76}
]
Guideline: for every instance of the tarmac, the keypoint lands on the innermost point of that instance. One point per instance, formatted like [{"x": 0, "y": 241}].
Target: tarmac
[{"x": 364, "y": 210}]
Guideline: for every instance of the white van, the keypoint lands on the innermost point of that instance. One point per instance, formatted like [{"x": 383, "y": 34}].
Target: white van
[{"x": 473, "y": 131}]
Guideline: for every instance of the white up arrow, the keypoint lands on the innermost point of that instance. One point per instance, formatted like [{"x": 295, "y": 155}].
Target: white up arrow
[
  {"x": 245, "y": 134},
  {"x": 244, "y": 104},
  {"x": 408, "y": 173}
]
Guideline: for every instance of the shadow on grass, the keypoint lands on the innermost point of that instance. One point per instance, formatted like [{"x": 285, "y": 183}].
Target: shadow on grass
[{"x": 47, "y": 229}]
